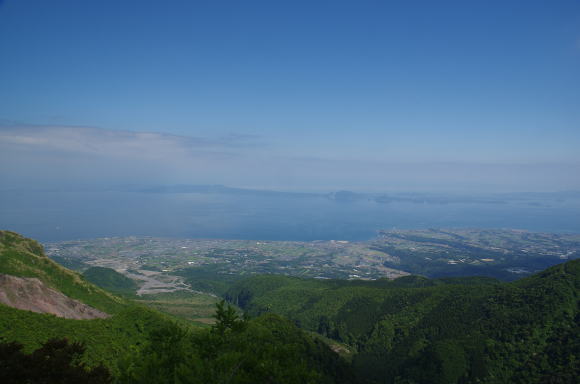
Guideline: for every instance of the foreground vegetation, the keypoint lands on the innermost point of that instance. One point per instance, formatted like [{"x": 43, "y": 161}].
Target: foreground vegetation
[
  {"x": 234, "y": 350},
  {"x": 408, "y": 330},
  {"x": 140, "y": 345},
  {"x": 56, "y": 361},
  {"x": 268, "y": 349}
]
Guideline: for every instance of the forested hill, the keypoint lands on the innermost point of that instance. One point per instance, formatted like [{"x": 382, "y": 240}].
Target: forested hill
[
  {"x": 139, "y": 345},
  {"x": 416, "y": 330},
  {"x": 408, "y": 330},
  {"x": 105, "y": 339}
]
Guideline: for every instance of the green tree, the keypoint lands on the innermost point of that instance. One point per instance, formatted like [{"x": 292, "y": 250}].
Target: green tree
[
  {"x": 227, "y": 319},
  {"x": 56, "y": 361}
]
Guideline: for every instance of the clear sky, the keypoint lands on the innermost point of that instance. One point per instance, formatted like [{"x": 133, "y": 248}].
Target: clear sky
[{"x": 306, "y": 95}]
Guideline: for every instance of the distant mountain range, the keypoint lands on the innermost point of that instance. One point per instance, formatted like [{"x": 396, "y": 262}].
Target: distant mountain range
[{"x": 384, "y": 198}]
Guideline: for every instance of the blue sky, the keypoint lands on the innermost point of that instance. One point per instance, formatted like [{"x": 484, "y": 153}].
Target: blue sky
[{"x": 307, "y": 95}]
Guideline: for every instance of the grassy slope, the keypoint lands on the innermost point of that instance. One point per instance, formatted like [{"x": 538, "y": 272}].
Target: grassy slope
[
  {"x": 23, "y": 257},
  {"x": 106, "y": 339},
  {"x": 193, "y": 306},
  {"x": 110, "y": 280}
]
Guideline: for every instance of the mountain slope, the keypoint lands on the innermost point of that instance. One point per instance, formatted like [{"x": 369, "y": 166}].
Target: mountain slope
[
  {"x": 106, "y": 340},
  {"x": 139, "y": 345},
  {"x": 438, "y": 331},
  {"x": 31, "y": 281},
  {"x": 31, "y": 294},
  {"x": 110, "y": 280},
  {"x": 22, "y": 257}
]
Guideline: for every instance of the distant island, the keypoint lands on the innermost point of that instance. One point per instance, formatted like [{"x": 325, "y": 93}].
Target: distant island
[{"x": 379, "y": 197}]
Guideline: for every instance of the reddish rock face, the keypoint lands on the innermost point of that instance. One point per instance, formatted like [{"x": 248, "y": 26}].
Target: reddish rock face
[{"x": 31, "y": 294}]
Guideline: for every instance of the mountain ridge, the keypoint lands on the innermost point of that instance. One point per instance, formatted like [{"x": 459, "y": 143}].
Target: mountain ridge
[{"x": 25, "y": 258}]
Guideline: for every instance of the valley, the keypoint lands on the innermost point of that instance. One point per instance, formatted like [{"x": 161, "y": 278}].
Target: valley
[{"x": 186, "y": 277}]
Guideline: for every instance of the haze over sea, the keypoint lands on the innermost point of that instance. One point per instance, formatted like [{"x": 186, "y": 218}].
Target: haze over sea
[{"x": 233, "y": 214}]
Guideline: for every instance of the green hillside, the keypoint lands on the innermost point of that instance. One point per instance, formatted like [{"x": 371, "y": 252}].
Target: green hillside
[
  {"x": 311, "y": 302},
  {"x": 140, "y": 345},
  {"x": 438, "y": 331},
  {"x": 24, "y": 257},
  {"x": 268, "y": 349},
  {"x": 110, "y": 280},
  {"x": 106, "y": 339},
  {"x": 408, "y": 330}
]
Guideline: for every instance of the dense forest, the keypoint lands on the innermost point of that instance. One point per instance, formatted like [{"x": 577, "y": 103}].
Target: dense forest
[
  {"x": 454, "y": 330},
  {"x": 408, "y": 330}
]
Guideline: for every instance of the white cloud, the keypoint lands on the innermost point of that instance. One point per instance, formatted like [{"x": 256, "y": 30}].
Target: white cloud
[
  {"x": 58, "y": 155},
  {"x": 118, "y": 144}
]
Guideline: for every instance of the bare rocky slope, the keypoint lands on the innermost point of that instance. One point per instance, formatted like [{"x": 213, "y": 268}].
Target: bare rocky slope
[
  {"x": 31, "y": 294},
  {"x": 31, "y": 281}
]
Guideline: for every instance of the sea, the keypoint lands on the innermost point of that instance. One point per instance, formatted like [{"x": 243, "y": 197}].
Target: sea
[{"x": 57, "y": 215}]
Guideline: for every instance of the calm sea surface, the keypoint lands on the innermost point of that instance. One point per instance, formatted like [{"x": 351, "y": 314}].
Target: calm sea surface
[{"x": 54, "y": 216}]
